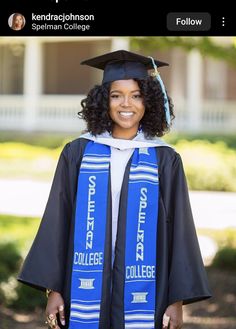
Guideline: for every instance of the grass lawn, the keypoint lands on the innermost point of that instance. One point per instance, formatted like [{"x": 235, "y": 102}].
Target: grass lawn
[
  {"x": 20, "y": 160},
  {"x": 20, "y": 230},
  {"x": 225, "y": 237},
  {"x": 208, "y": 166}
]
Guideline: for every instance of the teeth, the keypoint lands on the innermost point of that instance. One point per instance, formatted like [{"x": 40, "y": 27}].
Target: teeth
[{"x": 126, "y": 114}]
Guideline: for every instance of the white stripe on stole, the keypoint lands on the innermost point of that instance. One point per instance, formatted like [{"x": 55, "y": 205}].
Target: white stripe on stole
[
  {"x": 80, "y": 321},
  {"x": 97, "y": 155},
  {"x": 85, "y": 315},
  {"x": 139, "y": 325},
  {"x": 86, "y": 301},
  {"x": 150, "y": 164},
  {"x": 133, "y": 311},
  {"x": 144, "y": 168},
  {"x": 93, "y": 159},
  {"x": 85, "y": 307},
  {"x": 142, "y": 181},
  {"x": 139, "y": 317},
  {"x": 94, "y": 166},
  {"x": 143, "y": 176}
]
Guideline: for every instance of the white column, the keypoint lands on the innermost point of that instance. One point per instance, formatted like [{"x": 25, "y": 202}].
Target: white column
[
  {"x": 177, "y": 80},
  {"x": 32, "y": 81},
  {"x": 120, "y": 43},
  {"x": 194, "y": 90}
]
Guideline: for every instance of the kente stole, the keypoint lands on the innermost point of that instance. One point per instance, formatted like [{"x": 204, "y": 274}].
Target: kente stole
[{"x": 140, "y": 240}]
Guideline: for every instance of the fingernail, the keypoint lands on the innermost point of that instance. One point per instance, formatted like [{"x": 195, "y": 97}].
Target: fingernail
[{"x": 61, "y": 308}]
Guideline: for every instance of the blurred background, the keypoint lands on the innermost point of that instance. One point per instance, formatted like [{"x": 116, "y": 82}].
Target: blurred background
[{"x": 41, "y": 86}]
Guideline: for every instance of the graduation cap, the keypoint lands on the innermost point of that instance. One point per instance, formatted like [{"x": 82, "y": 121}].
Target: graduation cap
[{"x": 123, "y": 65}]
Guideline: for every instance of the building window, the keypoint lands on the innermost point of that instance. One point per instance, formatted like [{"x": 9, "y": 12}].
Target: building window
[
  {"x": 63, "y": 73},
  {"x": 11, "y": 69}
]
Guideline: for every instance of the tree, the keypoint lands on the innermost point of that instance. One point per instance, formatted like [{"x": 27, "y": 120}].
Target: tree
[{"x": 208, "y": 46}]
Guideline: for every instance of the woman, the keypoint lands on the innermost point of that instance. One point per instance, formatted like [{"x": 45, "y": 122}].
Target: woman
[
  {"x": 117, "y": 247},
  {"x": 18, "y": 22}
]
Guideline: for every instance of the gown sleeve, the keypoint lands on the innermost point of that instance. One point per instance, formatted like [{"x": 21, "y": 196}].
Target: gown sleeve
[
  {"x": 187, "y": 276},
  {"x": 44, "y": 266}
]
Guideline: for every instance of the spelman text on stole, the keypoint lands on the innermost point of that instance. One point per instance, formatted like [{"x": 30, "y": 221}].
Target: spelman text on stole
[{"x": 96, "y": 258}]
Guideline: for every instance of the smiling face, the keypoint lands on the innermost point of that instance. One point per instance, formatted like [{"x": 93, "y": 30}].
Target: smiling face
[
  {"x": 18, "y": 22},
  {"x": 126, "y": 108}
]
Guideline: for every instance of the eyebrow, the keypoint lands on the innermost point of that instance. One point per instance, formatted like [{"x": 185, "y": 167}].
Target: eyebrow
[{"x": 119, "y": 91}]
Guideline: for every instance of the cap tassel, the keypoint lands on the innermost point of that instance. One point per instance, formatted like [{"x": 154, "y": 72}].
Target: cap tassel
[{"x": 166, "y": 103}]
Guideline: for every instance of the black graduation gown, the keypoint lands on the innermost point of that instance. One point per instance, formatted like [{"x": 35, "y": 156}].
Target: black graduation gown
[{"x": 180, "y": 273}]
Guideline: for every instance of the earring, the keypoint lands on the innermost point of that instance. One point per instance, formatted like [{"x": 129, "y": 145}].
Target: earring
[{"x": 140, "y": 129}]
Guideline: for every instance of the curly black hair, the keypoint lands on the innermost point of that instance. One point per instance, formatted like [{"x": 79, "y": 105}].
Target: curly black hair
[{"x": 95, "y": 109}]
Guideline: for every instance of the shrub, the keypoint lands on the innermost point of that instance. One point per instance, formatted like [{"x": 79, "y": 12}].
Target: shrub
[
  {"x": 28, "y": 299},
  {"x": 52, "y": 140},
  {"x": 229, "y": 139},
  {"x": 13, "y": 293},
  {"x": 208, "y": 166},
  {"x": 10, "y": 260},
  {"x": 225, "y": 258}
]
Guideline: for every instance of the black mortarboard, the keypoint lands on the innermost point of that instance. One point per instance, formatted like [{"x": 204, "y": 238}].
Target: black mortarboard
[{"x": 122, "y": 65}]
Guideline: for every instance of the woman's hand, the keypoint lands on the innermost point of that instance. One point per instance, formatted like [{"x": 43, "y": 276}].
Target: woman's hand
[
  {"x": 173, "y": 316},
  {"x": 55, "y": 305}
]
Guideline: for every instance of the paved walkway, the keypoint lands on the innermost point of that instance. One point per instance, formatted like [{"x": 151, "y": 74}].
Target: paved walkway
[{"x": 210, "y": 209}]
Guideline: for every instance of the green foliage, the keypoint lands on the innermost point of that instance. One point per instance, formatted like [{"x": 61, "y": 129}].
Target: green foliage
[
  {"x": 18, "y": 230},
  {"x": 208, "y": 166},
  {"x": 30, "y": 155},
  {"x": 23, "y": 160},
  {"x": 209, "y": 160},
  {"x": 225, "y": 258},
  {"x": 13, "y": 150},
  {"x": 9, "y": 265},
  {"x": 229, "y": 140},
  {"x": 46, "y": 140},
  {"x": 10, "y": 260},
  {"x": 207, "y": 46},
  {"x": 28, "y": 298},
  {"x": 224, "y": 237},
  {"x": 16, "y": 236}
]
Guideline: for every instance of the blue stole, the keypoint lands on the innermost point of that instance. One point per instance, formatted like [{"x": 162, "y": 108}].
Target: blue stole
[{"x": 90, "y": 233}]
